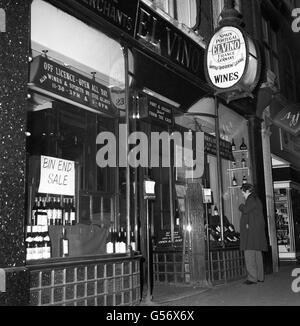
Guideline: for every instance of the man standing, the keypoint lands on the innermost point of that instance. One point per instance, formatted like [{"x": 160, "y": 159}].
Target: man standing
[{"x": 253, "y": 238}]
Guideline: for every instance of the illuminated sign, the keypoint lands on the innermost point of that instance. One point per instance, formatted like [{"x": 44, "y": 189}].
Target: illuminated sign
[{"x": 226, "y": 57}]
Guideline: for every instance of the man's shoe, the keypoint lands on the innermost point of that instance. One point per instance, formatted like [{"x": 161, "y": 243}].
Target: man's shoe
[{"x": 249, "y": 282}]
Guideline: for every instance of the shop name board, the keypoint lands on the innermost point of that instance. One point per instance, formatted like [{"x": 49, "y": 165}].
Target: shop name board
[
  {"x": 57, "y": 176},
  {"x": 162, "y": 37},
  {"x": 152, "y": 31},
  {"x": 47, "y": 75},
  {"x": 120, "y": 13},
  {"x": 226, "y": 57},
  {"x": 289, "y": 119},
  {"x": 210, "y": 147}
]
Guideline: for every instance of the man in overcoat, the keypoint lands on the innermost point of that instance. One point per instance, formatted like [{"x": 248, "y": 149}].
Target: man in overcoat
[{"x": 253, "y": 238}]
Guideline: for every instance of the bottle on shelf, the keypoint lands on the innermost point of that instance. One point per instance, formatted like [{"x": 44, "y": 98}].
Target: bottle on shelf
[
  {"x": 132, "y": 241},
  {"x": 243, "y": 162},
  {"x": 55, "y": 212},
  {"x": 59, "y": 212},
  {"x": 64, "y": 244},
  {"x": 29, "y": 243},
  {"x": 233, "y": 164},
  {"x": 66, "y": 212},
  {"x": 34, "y": 210},
  {"x": 243, "y": 146},
  {"x": 233, "y": 146},
  {"x": 34, "y": 248},
  {"x": 244, "y": 180},
  {"x": 41, "y": 214},
  {"x": 47, "y": 243},
  {"x": 216, "y": 212},
  {"x": 72, "y": 213},
  {"x": 110, "y": 242},
  {"x": 123, "y": 241},
  {"x": 38, "y": 243},
  {"x": 49, "y": 211},
  {"x": 234, "y": 181}
]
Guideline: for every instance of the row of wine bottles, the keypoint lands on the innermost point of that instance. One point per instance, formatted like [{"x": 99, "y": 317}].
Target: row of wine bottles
[
  {"x": 38, "y": 243},
  {"x": 117, "y": 240},
  {"x": 243, "y": 146},
  {"x": 241, "y": 164},
  {"x": 235, "y": 182},
  {"x": 229, "y": 235},
  {"x": 51, "y": 211}
]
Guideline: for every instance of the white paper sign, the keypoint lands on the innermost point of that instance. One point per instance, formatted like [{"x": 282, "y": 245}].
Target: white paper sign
[
  {"x": 57, "y": 176},
  {"x": 226, "y": 57}
]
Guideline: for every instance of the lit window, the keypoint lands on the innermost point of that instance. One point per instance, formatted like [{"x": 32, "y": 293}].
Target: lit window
[
  {"x": 185, "y": 12},
  {"x": 218, "y": 6}
]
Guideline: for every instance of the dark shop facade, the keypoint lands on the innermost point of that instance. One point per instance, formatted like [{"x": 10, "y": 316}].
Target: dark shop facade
[{"x": 86, "y": 83}]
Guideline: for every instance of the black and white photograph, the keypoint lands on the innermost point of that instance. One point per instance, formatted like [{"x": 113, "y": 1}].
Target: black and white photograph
[{"x": 150, "y": 156}]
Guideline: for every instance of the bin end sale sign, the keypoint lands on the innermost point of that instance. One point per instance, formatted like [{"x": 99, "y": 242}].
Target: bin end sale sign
[{"x": 57, "y": 176}]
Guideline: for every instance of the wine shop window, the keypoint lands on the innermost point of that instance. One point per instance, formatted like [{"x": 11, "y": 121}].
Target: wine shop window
[
  {"x": 237, "y": 171},
  {"x": 72, "y": 202}
]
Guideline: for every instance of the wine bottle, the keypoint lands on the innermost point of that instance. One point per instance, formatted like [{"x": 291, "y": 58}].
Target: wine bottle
[
  {"x": 132, "y": 241},
  {"x": 233, "y": 164},
  {"x": 109, "y": 242},
  {"x": 55, "y": 212},
  {"x": 233, "y": 147},
  {"x": 72, "y": 213},
  {"x": 64, "y": 244},
  {"x": 118, "y": 242},
  {"x": 29, "y": 242},
  {"x": 50, "y": 212},
  {"x": 122, "y": 241},
  {"x": 42, "y": 217},
  {"x": 38, "y": 243},
  {"x": 34, "y": 245},
  {"x": 234, "y": 181},
  {"x": 47, "y": 243},
  {"x": 243, "y": 146},
  {"x": 66, "y": 212},
  {"x": 216, "y": 212},
  {"x": 243, "y": 162},
  {"x": 34, "y": 210},
  {"x": 59, "y": 212}
]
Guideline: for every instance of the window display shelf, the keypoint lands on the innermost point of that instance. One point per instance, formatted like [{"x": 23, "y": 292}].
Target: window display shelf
[
  {"x": 238, "y": 169},
  {"x": 240, "y": 151}
]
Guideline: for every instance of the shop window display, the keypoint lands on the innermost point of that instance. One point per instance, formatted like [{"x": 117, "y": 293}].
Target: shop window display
[{"x": 72, "y": 202}]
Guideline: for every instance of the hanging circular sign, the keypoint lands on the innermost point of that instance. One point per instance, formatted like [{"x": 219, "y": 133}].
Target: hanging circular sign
[{"x": 226, "y": 57}]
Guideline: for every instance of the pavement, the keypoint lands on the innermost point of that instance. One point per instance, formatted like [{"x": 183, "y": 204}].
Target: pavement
[{"x": 278, "y": 289}]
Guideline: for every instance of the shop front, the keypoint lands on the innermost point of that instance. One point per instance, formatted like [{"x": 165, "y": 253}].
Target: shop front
[{"x": 123, "y": 103}]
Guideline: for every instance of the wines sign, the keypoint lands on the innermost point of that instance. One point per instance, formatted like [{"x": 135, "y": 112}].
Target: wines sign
[
  {"x": 226, "y": 58},
  {"x": 57, "y": 176}
]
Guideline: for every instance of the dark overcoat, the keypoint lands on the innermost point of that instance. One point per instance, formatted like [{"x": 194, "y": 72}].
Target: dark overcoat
[{"x": 252, "y": 225}]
